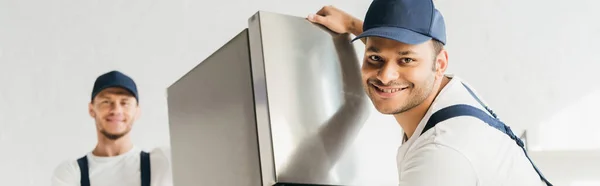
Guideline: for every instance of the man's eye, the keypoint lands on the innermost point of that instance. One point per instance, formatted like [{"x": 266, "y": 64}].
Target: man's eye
[
  {"x": 406, "y": 60},
  {"x": 375, "y": 58}
]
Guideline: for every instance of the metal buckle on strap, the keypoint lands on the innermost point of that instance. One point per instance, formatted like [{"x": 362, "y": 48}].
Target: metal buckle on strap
[
  {"x": 520, "y": 142},
  {"x": 513, "y": 136}
]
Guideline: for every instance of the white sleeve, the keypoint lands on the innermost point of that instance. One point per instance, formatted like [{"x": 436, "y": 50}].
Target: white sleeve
[
  {"x": 66, "y": 174},
  {"x": 436, "y": 164},
  {"x": 161, "y": 167}
]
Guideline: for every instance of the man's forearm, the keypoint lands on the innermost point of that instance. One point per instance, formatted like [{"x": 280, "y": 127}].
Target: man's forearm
[{"x": 356, "y": 28}]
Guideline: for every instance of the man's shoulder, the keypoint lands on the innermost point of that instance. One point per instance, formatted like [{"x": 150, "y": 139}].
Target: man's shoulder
[
  {"x": 458, "y": 129},
  {"x": 463, "y": 129},
  {"x": 160, "y": 158},
  {"x": 161, "y": 152},
  {"x": 66, "y": 172},
  {"x": 160, "y": 155},
  {"x": 471, "y": 137},
  {"x": 67, "y": 165}
]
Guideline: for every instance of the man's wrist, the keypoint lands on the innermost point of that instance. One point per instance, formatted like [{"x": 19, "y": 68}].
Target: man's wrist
[{"x": 355, "y": 26}]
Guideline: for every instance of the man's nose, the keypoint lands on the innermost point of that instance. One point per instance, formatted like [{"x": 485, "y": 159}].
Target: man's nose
[
  {"x": 116, "y": 108},
  {"x": 388, "y": 74}
]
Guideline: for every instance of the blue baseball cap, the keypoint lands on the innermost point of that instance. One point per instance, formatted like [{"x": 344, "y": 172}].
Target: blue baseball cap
[
  {"x": 114, "y": 79},
  {"x": 406, "y": 21}
]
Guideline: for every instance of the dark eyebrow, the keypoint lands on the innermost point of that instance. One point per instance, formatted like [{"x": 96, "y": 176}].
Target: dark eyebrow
[
  {"x": 101, "y": 96},
  {"x": 373, "y": 49},
  {"x": 406, "y": 52},
  {"x": 402, "y": 53}
]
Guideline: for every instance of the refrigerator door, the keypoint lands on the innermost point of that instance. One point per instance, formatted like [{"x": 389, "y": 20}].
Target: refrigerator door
[{"x": 212, "y": 122}]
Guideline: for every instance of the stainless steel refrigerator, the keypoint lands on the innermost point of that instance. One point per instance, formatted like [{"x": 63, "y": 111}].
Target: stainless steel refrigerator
[{"x": 280, "y": 104}]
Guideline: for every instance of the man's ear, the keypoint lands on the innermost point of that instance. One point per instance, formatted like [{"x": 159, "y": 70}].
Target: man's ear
[
  {"x": 441, "y": 63},
  {"x": 138, "y": 112},
  {"x": 91, "y": 110}
]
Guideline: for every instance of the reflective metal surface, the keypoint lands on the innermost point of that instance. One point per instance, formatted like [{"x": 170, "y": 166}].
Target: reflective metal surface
[
  {"x": 315, "y": 102},
  {"x": 212, "y": 122},
  {"x": 281, "y": 103}
]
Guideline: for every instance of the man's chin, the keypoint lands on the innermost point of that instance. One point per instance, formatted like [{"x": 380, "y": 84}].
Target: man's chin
[
  {"x": 388, "y": 110},
  {"x": 115, "y": 135},
  {"x": 384, "y": 106}
]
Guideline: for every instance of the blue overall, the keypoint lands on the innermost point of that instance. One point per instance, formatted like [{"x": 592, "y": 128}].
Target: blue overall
[
  {"x": 144, "y": 168},
  {"x": 467, "y": 110}
]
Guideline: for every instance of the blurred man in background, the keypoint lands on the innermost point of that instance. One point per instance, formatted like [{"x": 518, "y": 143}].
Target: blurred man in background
[
  {"x": 404, "y": 75},
  {"x": 115, "y": 160}
]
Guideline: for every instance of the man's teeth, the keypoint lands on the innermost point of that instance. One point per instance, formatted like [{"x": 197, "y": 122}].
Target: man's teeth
[{"x": 390, "y": 90}]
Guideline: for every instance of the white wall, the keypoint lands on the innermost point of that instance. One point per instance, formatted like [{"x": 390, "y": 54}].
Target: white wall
[
  {"x": 569, "y": 167},
  {"x": 532, "y": 60}
]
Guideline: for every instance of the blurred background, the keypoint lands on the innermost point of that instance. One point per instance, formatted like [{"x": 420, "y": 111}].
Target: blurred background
[{"x": 533, "y": 61}]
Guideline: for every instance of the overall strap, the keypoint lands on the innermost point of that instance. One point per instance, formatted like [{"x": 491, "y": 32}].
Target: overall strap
[
  {"x": 145, "y": 168},
  {"x": 83, "y": 169},
  {"x": 467, "y": 110}
]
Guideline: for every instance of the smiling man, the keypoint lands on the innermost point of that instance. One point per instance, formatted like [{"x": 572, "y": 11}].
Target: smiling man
[
  {"x": 450, "y": 136},
  {"x": 115, "y": 160}
]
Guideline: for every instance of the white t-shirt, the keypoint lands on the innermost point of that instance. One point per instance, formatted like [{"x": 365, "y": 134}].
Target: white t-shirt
[
  {"x": 122, "y": 170},
  {"x": 463, "y": 150}
]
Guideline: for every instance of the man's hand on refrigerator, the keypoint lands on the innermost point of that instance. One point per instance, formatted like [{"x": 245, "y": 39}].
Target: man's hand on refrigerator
[{"x": 337, "y": 20}]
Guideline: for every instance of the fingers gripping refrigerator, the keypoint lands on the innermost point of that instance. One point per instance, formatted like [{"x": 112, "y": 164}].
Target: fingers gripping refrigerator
[{"x": 281, "y": 103}]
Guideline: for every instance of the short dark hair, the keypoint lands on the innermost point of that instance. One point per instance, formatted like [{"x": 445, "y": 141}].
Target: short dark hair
[{"x": 437, "y": 47}]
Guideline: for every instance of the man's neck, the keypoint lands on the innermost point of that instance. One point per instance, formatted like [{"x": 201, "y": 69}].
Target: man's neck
[
  {"x": 107, "y": 147},
  {"x": 410, "y": 119}
]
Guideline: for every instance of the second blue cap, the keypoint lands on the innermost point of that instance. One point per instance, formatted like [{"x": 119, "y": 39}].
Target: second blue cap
[{"x": 115, "y": 79}]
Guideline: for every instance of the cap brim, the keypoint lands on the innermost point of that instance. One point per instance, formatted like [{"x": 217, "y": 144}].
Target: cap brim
[
  {"x": 116, "y": 86},
  {"x": 394, "y": 33}
]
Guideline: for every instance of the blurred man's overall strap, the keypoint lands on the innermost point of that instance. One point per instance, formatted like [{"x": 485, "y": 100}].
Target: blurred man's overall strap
[
  {"x": 467, "y": 110},
  {"x": 144, "y": 168}
]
